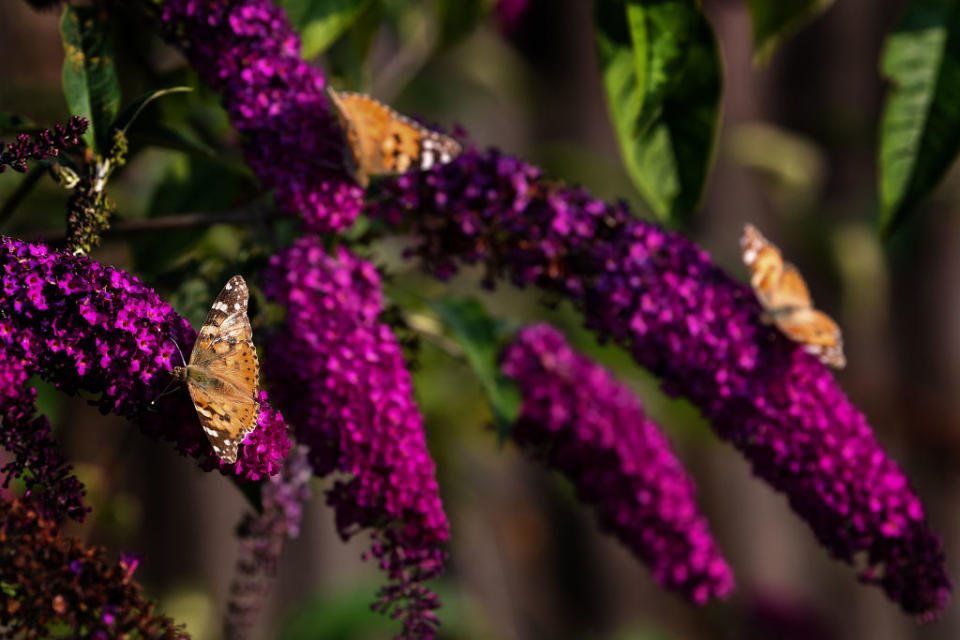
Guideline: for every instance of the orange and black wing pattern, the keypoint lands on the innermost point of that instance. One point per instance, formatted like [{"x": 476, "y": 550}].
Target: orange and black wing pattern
[
  {"x": 783, "y": 293},
  {"x": 384, "y": 142},
  {"x": 223, "y": 374}
]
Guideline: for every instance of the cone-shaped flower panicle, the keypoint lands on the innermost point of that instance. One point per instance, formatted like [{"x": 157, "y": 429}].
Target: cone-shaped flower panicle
[
  {"x": 261, "y": 537},
  {"x": 660, "y": 296},
  {"x": 51, "y": 488},
  {"x": 48, "y": 143},
  {"x": 93, "y": 328},
  {"x": 248, "y": 51},
  {"x": 340, "y": 376},
  {"x": 584, "y": 423},
  {"x": 50, "y": 580}
]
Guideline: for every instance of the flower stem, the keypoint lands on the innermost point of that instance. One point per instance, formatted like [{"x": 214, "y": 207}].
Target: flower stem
[
  {"x": 249, "y": 214},
  {"x": 23, "y": 189}
]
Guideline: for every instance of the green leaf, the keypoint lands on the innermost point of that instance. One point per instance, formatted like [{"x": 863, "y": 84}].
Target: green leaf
[
  {"x": 477, "y": 332},
  {"x": 347, "y": 58},
  {"x": 920, "y": 126},
  {"x": 90, "y": 82},
  {"x": 459, "y": 18},
  {"x": 164, "y": 137},
  {"x": 11, "y": 122},
  {"x": 125, "y": 119},
  {"x": 182, "y": 139},
  {"x": 321, "y": 22},
  {"x": 663, "y": 79},
  {"x": 774, "y": 21}
]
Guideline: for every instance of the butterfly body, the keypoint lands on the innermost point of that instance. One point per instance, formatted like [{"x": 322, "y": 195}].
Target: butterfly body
[
  {"x": 381, "y": 141},
  {"x": 783, "y": 293},
  {"x": 223, "y": 374}
]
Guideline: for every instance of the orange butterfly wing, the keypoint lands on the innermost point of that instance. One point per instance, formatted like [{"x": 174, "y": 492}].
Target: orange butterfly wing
[
  {"x": 223, "y": 375},
  {"x": 784, "y": 295},
  {"x": 383, "y": 142},
  {"x": 790, "y": 291},
  {"x": 817, "y": 331},
  {"x": 364, "y": 122},
  {"x": 400, "y": 147},
  {"x": 226, "y": 417}
]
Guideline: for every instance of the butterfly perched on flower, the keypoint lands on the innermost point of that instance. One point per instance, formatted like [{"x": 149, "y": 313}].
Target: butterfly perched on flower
[
  {"x": 223, "y": 374},
  {"x": 384, "y": 142},
  {"x": 783, "y": 294}
]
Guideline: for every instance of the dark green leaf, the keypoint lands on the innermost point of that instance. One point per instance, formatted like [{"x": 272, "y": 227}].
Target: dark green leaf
[
  {"x": 774, "y": 21},
  {"x": 164, "y": 137},
  {"x": 158, "y": 135},
  {"x": 347, "y": 57},
  {"x": 189, "y": 184},
  {"x": 89, "y": 77},
  {"x": 321, "y": 22},
  {"x": 12, "y": 123},
  {"x": 477, "y": 332},
  {"x": 134, "y": 109},
  {"x": 920, "y": 127},
  {"x": 458, "y": 18},
  {"x": 663, "y": 79}
]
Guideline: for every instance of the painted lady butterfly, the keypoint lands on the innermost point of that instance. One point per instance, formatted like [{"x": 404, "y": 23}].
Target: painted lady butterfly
[
  {"x": 223, "y": 375},
  {"x": 783, "y": 293},
  {"x": 384, "y": 142}
]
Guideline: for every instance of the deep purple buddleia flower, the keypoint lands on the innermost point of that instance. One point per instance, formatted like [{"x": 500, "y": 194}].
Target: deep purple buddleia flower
[
  {"x": 661, "y": 297},
  {"x": 340, "y": 377},
  {"x": 261, "y": 537},
  {"x": 50, "y": 580},
  {"x": 582, "y": 422},
  {"x": 88, "y": 327},
  {"x": 51, "y": 487},
  {"x": 47, "y": 143},
  {"x": 248, "y": 51}
]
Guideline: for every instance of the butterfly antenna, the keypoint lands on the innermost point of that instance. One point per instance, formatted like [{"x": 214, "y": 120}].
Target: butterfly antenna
[
  {"x": 166, "y": 391},
  {"x": 182, "y": 359}
]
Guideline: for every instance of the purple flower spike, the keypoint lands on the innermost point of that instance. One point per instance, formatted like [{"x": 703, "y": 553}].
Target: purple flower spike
[
  {"x": 52, "y": 489},
  {"x": 94, "y": 328},
  {"x": 592, "y": 428},
  {"x": 129, "y": 563},
  {"x": 47, "y": 143},
  {"x": 49, "y": 578},
  {"x": 341, "y": 377},
  {"x": 661, "y": 297},
  {"x": 248, "y": 52},
  {"x": 261, "y": 540}
]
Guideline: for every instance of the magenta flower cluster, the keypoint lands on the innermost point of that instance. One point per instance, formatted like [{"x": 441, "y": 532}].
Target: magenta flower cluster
[
  {"x": 661, "y": 297},
  {"x": 45, "y": 144},
  {"x": 340, "y": 377},
  {"x": 89, "y": 327},
  {"x": 261, "y": 537},
  {"x": 587, "y": 425},
  {"x": 51, "y": 487},
  {"x": 248, "y": 51}
]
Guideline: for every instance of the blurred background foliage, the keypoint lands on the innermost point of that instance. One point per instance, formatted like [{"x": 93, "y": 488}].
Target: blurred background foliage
[{"x": 701, "y": 115}]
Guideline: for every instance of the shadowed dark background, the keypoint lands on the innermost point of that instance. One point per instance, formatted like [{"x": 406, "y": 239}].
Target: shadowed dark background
[{"x": 796, "y": 157}]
